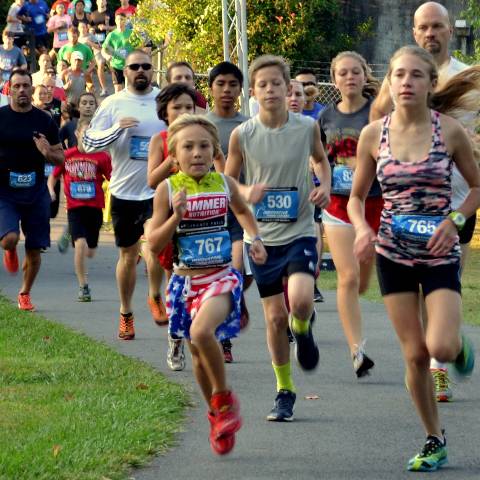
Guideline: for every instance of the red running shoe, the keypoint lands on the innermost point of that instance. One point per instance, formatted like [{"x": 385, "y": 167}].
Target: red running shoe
[
  {"x": 25, "y": 303},
  {"x": 10, "y": 261},
  {"x": 226, "y": 411},
  {"x": 222, "y": 445}
]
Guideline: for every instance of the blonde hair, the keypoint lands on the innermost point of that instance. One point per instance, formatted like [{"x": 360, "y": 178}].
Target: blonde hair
[
  {"x": 372, "y": 85},
  {"x": 187, "y": 120},
  {"x": 269, "y": 61},
  {"x": 418, "y": 52}
]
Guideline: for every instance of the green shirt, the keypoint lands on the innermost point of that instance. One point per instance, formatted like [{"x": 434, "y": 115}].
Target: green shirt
[
  {"x": 119, "y": 45},
  {"x": 66, "y": 51}
]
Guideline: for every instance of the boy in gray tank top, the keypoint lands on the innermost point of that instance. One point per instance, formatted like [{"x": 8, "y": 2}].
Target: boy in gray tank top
[{"x": 274, "y": 148}]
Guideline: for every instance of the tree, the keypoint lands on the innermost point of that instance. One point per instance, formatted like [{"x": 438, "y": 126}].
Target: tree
[
  {"x": 298, "y": 30},
  {"x": 472, "y": 15}
]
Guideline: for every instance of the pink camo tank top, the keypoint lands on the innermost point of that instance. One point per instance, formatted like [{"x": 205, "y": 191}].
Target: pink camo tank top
[{"x": 417, "y": 198}]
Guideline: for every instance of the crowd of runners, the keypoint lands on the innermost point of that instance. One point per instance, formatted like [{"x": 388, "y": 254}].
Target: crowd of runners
[{"x": 213, "y": 201}]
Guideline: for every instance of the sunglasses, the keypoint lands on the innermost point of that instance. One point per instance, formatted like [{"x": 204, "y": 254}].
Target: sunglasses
[
  {"x": 136, "y": 66},
  {"x": 306, "y": 84}
]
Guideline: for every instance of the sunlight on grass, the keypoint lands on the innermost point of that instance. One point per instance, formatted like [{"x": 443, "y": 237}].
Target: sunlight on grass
[{"x": 73, "y": 408}]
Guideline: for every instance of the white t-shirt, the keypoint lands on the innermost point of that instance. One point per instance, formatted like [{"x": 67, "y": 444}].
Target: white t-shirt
[
  {"x": 13, "y": 12},
  {"x": 37, "y": 79},
  {"x": 128, "y": 147},
  {"x": 3, "y": 100},
  {"x": 460, "y": 187}
]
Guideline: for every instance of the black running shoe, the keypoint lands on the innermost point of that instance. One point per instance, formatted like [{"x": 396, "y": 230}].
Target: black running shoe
[
  {"x": 317, "y": 295},
  {"x": 282, "y": 410},
  {"x": 362, "y": 364},
  {"x": 306, "y": 350}
]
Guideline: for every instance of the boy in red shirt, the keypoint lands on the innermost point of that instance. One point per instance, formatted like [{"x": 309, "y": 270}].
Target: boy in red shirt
[{"x": 83, "y": 175}]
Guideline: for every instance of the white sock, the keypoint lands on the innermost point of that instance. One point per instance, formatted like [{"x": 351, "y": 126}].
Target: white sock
[{"x": 436, "y": 364}]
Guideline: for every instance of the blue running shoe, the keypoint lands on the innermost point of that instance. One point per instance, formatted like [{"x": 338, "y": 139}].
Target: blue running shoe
[
  {"x": 306, "y": 350},
  {"x": 465, "y": 360},
  {"x": 432, "y": 456},
  {"x": 282, "y": 410}
]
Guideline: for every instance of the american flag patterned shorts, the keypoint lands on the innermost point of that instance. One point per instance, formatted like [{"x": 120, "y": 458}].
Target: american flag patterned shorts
[{"x": 185, "y": 296}]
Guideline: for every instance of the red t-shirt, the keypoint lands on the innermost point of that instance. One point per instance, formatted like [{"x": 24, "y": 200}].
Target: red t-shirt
[
  {"x": 83, "y": 175},
  {"x": 128, "y": 11},
  {"x": 59, "y": 94}
]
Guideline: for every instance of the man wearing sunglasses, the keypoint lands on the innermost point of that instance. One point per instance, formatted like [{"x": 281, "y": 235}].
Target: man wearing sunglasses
[
  {"x": 123, "y": 126},
  {"x": 308, "y": 79}
]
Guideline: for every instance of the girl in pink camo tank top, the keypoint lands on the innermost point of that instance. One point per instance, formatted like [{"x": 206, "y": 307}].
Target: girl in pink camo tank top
[
  {"x": 417, "y": 244},
  {"x": 416, "y": 199}
]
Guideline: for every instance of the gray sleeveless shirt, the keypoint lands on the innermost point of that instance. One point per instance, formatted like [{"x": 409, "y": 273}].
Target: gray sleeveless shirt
[{"x": 279, "y": 157}]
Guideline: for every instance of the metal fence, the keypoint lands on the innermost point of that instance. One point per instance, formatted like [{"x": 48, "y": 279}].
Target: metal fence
[{"x": 328, "y": 93}]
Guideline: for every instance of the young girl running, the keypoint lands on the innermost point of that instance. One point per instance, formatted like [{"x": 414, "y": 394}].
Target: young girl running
[
  {"x": 204, "y": 290},
  {"x": 417, "y": 243},
  {"x": 83, "y": 175},
  {"x": 172, "y": 101},
  {"x": 340, "y": 126}
]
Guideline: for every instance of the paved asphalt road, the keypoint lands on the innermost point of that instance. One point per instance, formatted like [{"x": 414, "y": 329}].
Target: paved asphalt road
[{"x": 355, "y": 429}]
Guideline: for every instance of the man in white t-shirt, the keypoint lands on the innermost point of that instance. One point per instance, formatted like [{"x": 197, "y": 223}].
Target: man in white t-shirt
[{"x": 123, "y": 125}]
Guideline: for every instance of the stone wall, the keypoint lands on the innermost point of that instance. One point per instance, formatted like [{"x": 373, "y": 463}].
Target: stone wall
[{"x": 392, "y": 24}]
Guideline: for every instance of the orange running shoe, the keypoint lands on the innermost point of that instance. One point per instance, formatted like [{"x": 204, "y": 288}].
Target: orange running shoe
[
  {"x": 157, "y": 309},
  {"x": 126, "y": 330},
  {"x": 25, "y": 302},
  {"x": 10, "y": 261}
]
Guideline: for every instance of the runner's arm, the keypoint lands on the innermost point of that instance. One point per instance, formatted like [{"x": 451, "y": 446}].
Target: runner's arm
[
  {"x": 101, "y": 133},
  {"x": 233, "y": 167},
  {"x": 162, "y": 226},
  {"x": 158, "y": 167},
  {"x": 365, "y": 173},
  {"x": 247, "y": 221},
  {"x": 318, "y": 159}
]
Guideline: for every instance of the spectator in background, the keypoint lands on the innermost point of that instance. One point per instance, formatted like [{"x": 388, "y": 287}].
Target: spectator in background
[
  {"x": 54, "y": 104},
  {"x": 79, "y": 14},
  {"x": 34, "y": 15},
  {"x": 74, "y": 82},
  {"x": 81, "y": 113},
  {"x": 65, "y": 3},
  {"x": 58, "y": 24},
  {"x": 50, "y": 78},
  {"x": 183, "y": 72},
  {"x": 44, "y": 63},
  {"x": 308, "y": 79},
  {"x": 125, "y": 8},
  {"x": 103, "y": 23},
  {"x": 116, "y": 48},
  {"x": 14, "y": 24},
  {"x": 10, "y": 57},
  {"x": 73, "y": 45}
]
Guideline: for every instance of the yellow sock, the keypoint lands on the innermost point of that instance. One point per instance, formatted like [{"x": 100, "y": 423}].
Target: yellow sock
[
  {"x": 300, "y": 326},
  {"x": 283, "y": 374}
]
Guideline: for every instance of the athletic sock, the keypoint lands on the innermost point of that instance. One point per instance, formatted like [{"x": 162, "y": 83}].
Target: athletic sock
[
  {"x": 126, "y": 315},
  {"x": 300, "y": 326},
  {"x": 436, "y": 364},
  {"x": 283, "y": 374}
]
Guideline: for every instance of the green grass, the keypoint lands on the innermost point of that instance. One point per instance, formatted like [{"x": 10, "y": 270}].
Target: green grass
[
  {"x": 470, "y": 287},
  {"x": 73, "y": 408}
]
